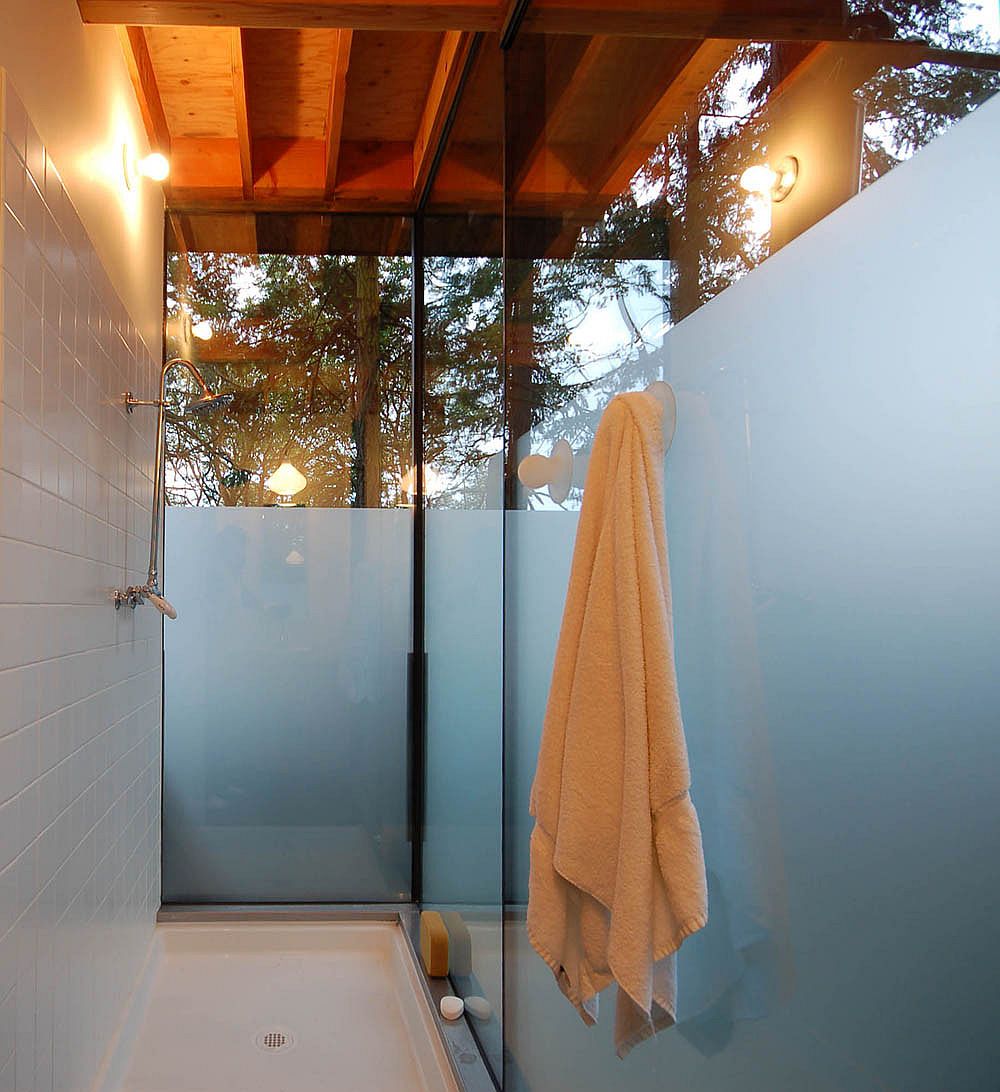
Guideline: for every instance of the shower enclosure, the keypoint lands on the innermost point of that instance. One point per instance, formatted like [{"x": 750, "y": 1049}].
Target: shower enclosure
[{"x": 355, "y": 687}]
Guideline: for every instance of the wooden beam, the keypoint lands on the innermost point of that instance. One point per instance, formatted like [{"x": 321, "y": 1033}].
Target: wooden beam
[
  {"x": 335, "y": 112},
  {"x": 434, "y": 15},
  {"x": 680, "y": 97},
  {"x": 769, "y": 20},
  {"x": 290, "y": 172},
  {"x": 143, "y": 77},
  {"x": 441, "y": 97},
  {"x": 242, "y": 113}
]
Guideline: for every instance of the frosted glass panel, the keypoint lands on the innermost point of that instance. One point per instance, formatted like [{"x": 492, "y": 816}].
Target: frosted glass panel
[
  {"x": 463, "y": 834},
  {"x": 833, "y": 515},
  {"x": 463, "y": 827},
  {"x": 285, "y": 705}
]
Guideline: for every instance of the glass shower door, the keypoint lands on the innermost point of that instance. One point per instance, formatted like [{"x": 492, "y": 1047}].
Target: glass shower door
[
  {"x": 463, "y": 586},
  {"x": 285, "y": 675}
]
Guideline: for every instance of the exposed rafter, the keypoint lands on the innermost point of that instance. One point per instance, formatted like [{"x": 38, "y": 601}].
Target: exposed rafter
[
  {"x": 335, "y": 112},
  {"x": 140, "y": 69},
  {"x": 242, "y": 113},
  {"x": 441, "y": 97}
]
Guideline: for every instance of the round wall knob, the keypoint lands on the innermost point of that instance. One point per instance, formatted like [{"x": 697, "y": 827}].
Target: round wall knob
[{"x": 555, "y": 471}]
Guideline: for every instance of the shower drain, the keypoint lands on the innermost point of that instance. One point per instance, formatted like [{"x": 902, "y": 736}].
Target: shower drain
[{"x": 274, "y": 1040}]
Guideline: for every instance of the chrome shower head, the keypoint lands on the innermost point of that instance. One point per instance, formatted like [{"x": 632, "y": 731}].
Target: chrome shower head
[
  {"x": 164, "y": 606},
  {"x": 208, "y": 402}
]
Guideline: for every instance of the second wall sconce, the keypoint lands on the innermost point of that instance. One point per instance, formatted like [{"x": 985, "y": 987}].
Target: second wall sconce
[{"x": 773, "y": 182}]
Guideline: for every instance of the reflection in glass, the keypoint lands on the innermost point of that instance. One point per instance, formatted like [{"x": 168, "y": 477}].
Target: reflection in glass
[{"x": 463, "y": 443}]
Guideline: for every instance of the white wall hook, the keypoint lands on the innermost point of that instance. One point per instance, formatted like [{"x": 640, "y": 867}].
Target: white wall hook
[{"x": 555, "y": 471}]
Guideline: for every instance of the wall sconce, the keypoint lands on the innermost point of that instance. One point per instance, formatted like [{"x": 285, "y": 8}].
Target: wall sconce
[
  {"x": 433, "y": 482},
  {"x": 202, "y": 330},
  {"x": 773, "y": 182},
  {"x": 285, "y": 482},
  {"x": 154, "y": 166}
]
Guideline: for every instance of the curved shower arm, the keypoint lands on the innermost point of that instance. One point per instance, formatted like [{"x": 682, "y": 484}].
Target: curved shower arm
[
  {"x": 150, "y": 591},
  {"x": 152, "y": 579},
  {"x": 131, "y": 402}
]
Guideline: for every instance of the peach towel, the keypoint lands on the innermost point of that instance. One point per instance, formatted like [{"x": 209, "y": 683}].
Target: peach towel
[{"x": 617, "y": 873}]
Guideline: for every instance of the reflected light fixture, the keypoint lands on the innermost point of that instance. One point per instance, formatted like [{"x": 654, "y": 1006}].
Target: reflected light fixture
[
  {"x": 202, "y": 330},
  {"x": 154, "y": 166},
  {"x": 285, "y": 482},
  {"x": 433, "y": 482},
  {"x": 773, "y": 182}
]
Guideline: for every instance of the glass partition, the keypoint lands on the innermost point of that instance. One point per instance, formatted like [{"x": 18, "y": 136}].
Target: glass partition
[
  {"x": 288, "y": 554},
  {"x": 793, "y": 224},
  {"x": 829, "y": 510},
  {"x": 462, "y": 367}
]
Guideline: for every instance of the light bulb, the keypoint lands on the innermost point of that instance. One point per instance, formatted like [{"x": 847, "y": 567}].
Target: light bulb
[
  {"x": 286, "y": 481},
  {"x": 768, "y": 182},
  {"x": 202, "y": 330},
  {"x": 758, "y": 179},
  {"x": 154, "y": 166}
]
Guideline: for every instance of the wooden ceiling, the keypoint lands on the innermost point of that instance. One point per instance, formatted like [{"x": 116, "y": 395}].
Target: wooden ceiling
[
  {"x": 350, "y": 105},
  {"x": 295, "y": 117}
]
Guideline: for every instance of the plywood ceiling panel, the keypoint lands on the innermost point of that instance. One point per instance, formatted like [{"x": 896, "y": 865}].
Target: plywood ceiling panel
[
  {"x": 387, "y": 84},
  {"x": 288, "y": 81},
  {"x": 194, "y": 74}
]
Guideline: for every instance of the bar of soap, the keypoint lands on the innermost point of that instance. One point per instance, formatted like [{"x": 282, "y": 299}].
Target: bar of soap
[
  {"x": 452, "y": 1007},
  {"x": 479, "y": 1007},
  {"x": 434, "y": 944},
  {"x": 459, "y": 943}
]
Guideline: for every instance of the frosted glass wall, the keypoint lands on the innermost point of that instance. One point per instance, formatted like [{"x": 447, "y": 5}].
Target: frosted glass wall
[
  {"x": 833, "y": 515},
  {"x": 464, "y": 599},
  {"x": 463, "y": 819},
  {"x": 285, "y": 700}
]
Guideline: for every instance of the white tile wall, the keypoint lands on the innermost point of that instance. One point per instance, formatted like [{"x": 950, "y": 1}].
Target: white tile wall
[{"x": 79, "y": 683}]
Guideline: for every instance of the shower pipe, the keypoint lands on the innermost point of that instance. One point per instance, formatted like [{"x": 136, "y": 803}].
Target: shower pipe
[{"x": 206, "y": 402}]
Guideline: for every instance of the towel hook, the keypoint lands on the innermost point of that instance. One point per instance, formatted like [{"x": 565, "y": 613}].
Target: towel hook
[{"x": 555, "y": 471}]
